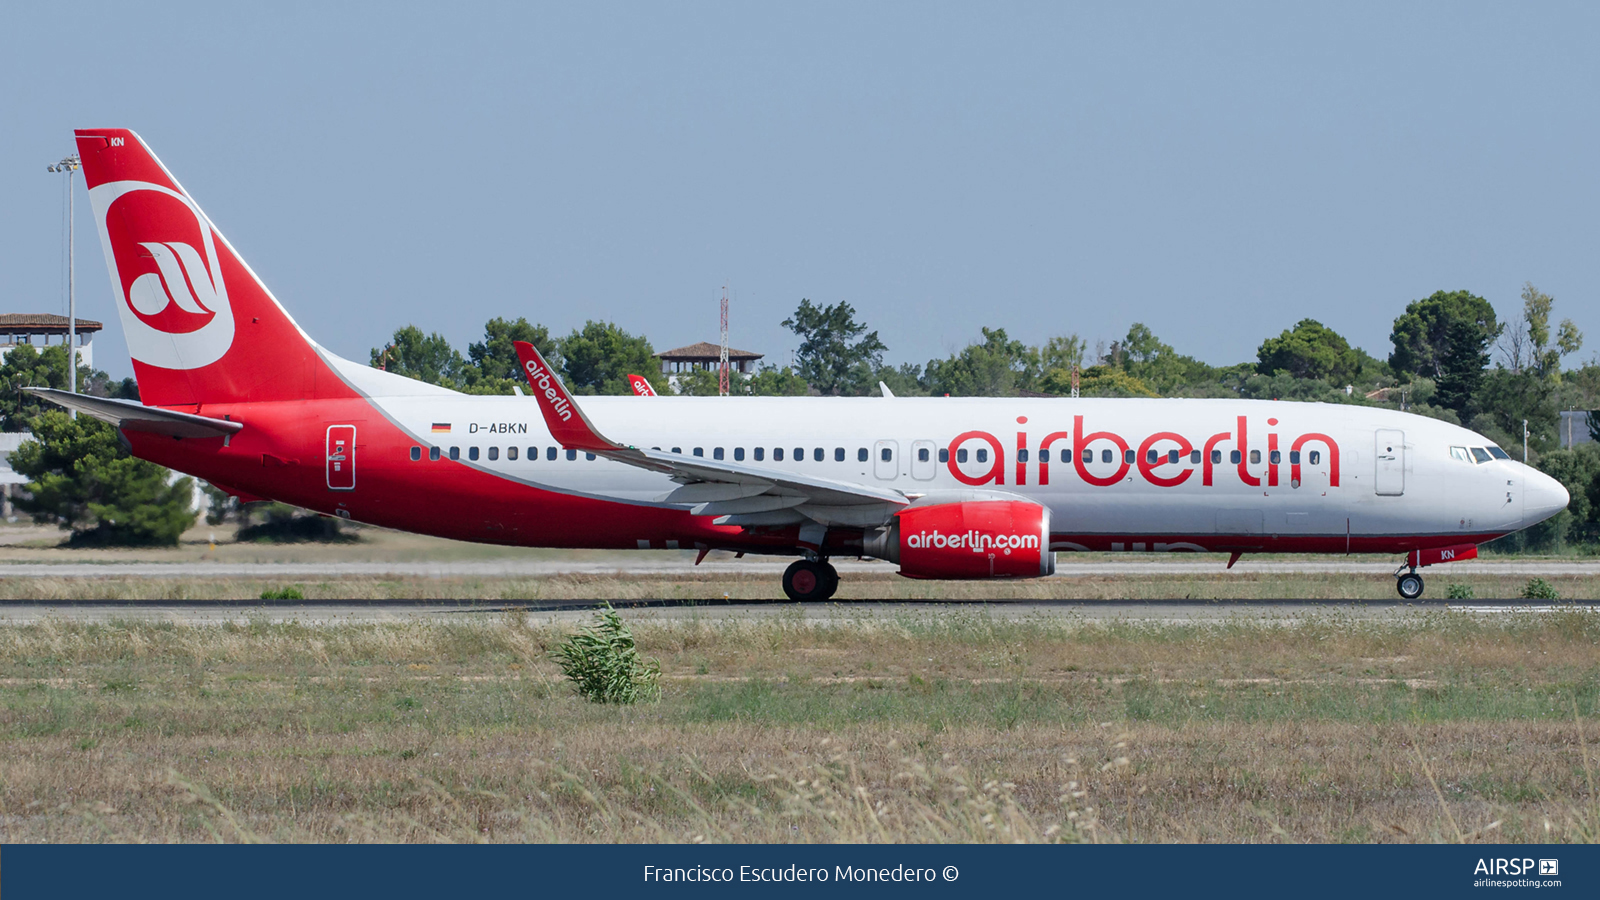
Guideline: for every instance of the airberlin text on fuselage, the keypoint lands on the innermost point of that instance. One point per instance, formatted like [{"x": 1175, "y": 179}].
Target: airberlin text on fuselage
[
  {"x": 1162, "y": 471},
  {"x": 540, "y": 378}
]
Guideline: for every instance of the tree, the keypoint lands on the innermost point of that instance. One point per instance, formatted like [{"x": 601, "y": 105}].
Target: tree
[
  {"x": 81, "y": 477},
  {"x": 1446, "y": 336},
  {"x": 494, "y": 367},
  {"x": 1310, "y": 350},
  {"x": 997, "y": 367},
  {"x": 26, "y": 367},
  {"x": 773, "y": 381},
  {"x": 837, "y": 355},
  {"x": 1529, "y": 348},
  {"x": 601, "y": 356},
  {"x": 427, "y": 358}
]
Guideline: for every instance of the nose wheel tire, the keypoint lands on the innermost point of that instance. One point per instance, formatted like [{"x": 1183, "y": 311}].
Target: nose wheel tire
[
  {"x": 1409, "y": 585},
  {"x": 808, "y": 580}
]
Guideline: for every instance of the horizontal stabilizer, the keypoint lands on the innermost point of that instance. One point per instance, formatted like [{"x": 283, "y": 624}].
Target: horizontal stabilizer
[{"x": 131, "y": 416}]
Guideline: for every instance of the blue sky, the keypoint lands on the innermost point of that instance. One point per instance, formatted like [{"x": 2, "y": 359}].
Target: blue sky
[{"x": 1217, "y": 171}]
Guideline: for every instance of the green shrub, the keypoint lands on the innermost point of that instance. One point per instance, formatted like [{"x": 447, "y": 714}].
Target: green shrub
[
  {"x": 602, "y": 662},
  {"x": 288, "y": 593},
  {"x": 1539, "y": 589},
  {"x": 1459, "y": 592}
]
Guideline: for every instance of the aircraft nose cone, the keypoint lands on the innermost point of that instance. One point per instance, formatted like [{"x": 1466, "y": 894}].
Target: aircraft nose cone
[{"x": 1543, "y": 498}]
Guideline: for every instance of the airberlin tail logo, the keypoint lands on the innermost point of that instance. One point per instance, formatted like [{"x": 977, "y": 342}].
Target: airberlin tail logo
[
  {"x": 544, "y": 382},
  {"x": 163, "y": 257}
]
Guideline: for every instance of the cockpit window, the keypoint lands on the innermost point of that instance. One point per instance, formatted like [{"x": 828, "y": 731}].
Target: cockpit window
[
  {"x": 1497, "y": 453},
  {"x": 1460, "y": 453},
  {"x": 1481, "y": 455}
]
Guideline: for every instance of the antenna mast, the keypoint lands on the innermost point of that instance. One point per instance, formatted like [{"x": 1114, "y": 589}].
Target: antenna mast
[{"x": 722, "y": 369}]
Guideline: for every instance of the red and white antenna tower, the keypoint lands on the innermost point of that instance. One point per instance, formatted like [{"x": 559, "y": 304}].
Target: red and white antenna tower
[{"x": 722, "y": 369}]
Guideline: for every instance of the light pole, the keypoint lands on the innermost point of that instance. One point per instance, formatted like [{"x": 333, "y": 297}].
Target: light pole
[{"x": 70, "y": 165}]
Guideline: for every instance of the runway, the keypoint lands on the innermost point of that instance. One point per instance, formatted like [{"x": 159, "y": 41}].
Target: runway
[
  {"x": 728, "y": 566},
  {"x": 317, "y": 613}
]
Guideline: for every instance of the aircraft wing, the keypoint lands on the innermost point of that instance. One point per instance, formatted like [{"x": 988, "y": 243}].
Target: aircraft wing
[
  {"x": 133, "y": 416},
  {"x": 737, "y": 494}
]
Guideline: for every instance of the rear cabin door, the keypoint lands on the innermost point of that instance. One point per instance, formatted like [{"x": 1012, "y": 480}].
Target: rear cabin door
[
  {"x": 1390, "y": 456},
  {"x": 341, "y": 457}
]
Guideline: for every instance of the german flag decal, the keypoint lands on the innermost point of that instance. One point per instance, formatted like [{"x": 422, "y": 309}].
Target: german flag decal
[{"x": 439, "y": 427}]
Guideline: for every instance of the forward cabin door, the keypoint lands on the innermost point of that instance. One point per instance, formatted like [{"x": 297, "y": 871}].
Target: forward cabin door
[
  {"x": 1390, "y": 453},
  {"x": 341, "y": 457}
]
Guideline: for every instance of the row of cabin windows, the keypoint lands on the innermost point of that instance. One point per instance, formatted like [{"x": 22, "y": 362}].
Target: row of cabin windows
[{"x": 1152, "y": 457}]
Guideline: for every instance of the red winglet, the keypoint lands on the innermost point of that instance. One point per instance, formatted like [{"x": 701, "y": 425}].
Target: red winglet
[
  {"x": 640, "y": 386},
  {"x": 566, "y": 421}
]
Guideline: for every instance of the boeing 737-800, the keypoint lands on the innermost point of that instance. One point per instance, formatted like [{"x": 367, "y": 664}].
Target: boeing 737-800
[{"x": 234, "y": 392}]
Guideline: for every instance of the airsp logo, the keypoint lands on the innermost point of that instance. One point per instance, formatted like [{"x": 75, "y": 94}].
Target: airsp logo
[{"x": 163, "y": 260}]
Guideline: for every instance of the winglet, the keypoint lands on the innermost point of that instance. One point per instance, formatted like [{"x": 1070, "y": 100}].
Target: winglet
[
  {"x": 640, "y": 386},
  {"x": 567, "y": 423}
]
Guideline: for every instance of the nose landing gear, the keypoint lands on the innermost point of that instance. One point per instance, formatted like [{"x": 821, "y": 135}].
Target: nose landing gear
[
  {"x": 1409, "y": 585},
  {"x": 807, "y": 579}
]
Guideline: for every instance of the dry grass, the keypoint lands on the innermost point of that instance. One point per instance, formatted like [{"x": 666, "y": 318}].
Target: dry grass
[
  {"x": 954, "y": 727},
  {"x": 716, "y": 585}
]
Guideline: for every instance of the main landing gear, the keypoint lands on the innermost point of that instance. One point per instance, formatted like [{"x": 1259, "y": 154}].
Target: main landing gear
[{"x": 808, "y": 579}]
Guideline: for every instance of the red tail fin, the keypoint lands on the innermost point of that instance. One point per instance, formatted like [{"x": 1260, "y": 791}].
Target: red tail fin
[
  {"x": 640, "y": 386},
  {"x": 201, "y": 328}
]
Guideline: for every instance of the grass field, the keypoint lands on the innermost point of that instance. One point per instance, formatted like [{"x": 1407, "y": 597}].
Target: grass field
[
  {"x": 956, "y": 726},
  {"x": 719, "y": 584}
]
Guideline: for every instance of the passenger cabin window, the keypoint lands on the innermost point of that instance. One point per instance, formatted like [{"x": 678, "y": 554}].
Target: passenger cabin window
[
  {"x": 1194, "y": 457},
  {"x": 416, "y": 453},
  {"x": 1150, "y": 456},
  {"x": 983, "y": 454},
  {"x": 777, "y": 454},
  {"x": 1066, "y": 455},
  {"x": 1216, "y": 457},
  {"x": 888, "y": 455},
  {"x": 494, "y": 453},
  {"x": 572, "y": 455},
  {"x": 589, "y": 457},
  {"x": 455, "y": 452},
  {"x": 716, "y": 453},
  {"x": 1022, "y": 455},
  {"x": 550, "y": 453},
  {"x": 738, "y": 454},
  {"x": 1294, "y": 457},
  {"x": 699, "y": 451},
  {"x": 1106, "y": 456},
  {"x": 961, "y": 455},
  {"x": 761, "y": 453},
  {"x": 1233, "y": 457},
  {"x": 433, "y": 454},
  {"x": 1275, "y": 457},
  {"x": 1255, "y": 456},
  {"x": 799, "y": 454},
  {"x": 1127, "y": 456},
  {"x": 1088, "y": 456},
  {"x": 1460, "y": 453},
  {"x": 861, "y": 454},
  {"x": 1315, "y": 457},
  {"x": 817, "y": 454},
  {"x": 1481, "y": 455},
  {"x": 944, "y": 454},
  {"x": 511, "y": 453},
  {"x": 472, "y": 453},
  {"x": 1172, "y": 457},
  {"x": 838, "y": 454},
  {"x": 922, "y": 454}
]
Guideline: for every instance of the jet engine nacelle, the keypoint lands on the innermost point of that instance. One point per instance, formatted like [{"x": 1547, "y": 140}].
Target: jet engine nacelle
[{"x": 978, "y": 539}]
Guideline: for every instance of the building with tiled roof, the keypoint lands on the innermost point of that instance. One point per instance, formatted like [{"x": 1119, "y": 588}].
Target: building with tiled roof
[
  {"x": 706, "y": 355},
  {"x": 40, "y": 330}
]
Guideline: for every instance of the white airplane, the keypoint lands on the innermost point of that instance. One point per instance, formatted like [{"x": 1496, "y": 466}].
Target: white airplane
[{"x": 236, "y": 393}]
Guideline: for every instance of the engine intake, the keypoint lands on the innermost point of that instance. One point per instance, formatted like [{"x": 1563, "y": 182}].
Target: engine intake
[{"x": 979, "y": 539}]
